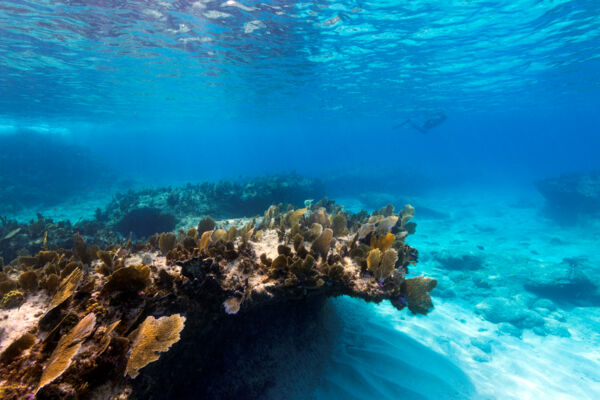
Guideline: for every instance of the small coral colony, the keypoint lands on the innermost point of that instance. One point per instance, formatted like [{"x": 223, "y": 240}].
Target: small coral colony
[{"x": 100, "y": 316}]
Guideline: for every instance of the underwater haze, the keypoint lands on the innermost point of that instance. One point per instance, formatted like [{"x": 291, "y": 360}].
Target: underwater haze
[{"x": 482, "y": 115}]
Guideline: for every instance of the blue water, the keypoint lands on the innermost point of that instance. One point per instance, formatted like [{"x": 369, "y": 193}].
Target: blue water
[{"x": 168, "y": 92}]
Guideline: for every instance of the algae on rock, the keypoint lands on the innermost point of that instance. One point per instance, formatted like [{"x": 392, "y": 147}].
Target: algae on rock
[{"x": 12, "y": 299}]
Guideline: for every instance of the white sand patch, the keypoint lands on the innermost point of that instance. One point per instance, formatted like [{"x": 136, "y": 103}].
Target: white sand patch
[
  {"x": 558, "y": 357},
  {"x": 500, "y": 365},
  {"x": 267, "y": 244},
  {"x": 15, "y": 322},
  {"x": 156, "y": 260}
]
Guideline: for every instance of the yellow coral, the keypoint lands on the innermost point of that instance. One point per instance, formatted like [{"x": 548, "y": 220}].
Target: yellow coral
[
  {"x": 151, "y": 338},
  {"x": 271, "y": 212},
  {"x": 247, "y": 232},
  {"x": 205, "y": 240},
  {"x": 219, "y": 234},
  {"x": 66, "y": 289},
  {"x": 293, "y": 217},
  {"x": 383, "y": 242},
  {"x": 67, "y": 348},
  {"x": 373, "y": 260},
  {"x": 193, "y": 233},
  {"x": 381, "y": 264},
  {"x": 51, "y": 283},
  {"x": 388, "y": 263},
  {"x": 7, "y": 285},
  {"x": 106, "y": 257},
  {"x": 96, "y": 308}
]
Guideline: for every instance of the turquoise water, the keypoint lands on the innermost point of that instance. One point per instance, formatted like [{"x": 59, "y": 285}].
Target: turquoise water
[{"x": 170, "y": 92}]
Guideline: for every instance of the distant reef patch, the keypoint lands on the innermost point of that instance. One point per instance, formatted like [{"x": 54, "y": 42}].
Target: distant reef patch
[
  {"x": 571, "y": 198},
  {"x": 41, "y": 169}
]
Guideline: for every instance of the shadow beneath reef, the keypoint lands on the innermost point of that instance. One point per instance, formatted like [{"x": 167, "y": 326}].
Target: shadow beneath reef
[
  {"x": 368, "y": 359},
  {"x": 312, "y": 348}
]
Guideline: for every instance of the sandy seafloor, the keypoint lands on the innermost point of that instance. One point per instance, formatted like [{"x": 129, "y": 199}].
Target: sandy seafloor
[
  {"x": 487, "y": 338},
  {"x": 535, "y": 348}
]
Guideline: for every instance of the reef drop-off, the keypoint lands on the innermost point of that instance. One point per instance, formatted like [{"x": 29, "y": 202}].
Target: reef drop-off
[{"x": 198, "y": 314}]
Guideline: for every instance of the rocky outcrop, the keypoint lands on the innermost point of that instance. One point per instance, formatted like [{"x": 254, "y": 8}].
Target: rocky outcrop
[
  {"x": 571, "y": 197},
  {"x": 203, "y": 317}
]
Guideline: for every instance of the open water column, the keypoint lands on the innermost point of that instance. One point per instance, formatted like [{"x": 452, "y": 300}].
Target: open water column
[{"x": 223, "y": 199}]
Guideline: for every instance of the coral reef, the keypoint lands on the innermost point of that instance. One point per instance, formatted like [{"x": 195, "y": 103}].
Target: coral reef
[
  {"x": 144, "y": 222},
  {"x": 117, "y": 318},
  {"x": 143, "y": 213},
  {"x": 223, "y": 199},
  {"x": 19, "y": 240},
  {"x": 45, "y": 169}
]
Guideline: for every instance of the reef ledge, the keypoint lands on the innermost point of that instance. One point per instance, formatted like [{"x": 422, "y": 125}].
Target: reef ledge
[{"x": 172, "y": 316}]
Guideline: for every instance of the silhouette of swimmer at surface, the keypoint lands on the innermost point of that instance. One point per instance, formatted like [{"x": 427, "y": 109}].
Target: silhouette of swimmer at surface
[{"x": 431, "y": 123}]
